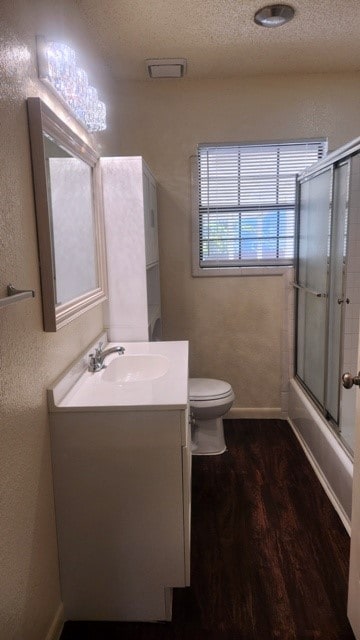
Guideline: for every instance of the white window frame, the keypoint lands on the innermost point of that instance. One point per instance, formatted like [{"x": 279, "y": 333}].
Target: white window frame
[{"x": 242, "y": 270}]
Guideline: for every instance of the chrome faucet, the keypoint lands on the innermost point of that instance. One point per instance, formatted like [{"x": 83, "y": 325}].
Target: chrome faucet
[{"x": 97, "y": 359}]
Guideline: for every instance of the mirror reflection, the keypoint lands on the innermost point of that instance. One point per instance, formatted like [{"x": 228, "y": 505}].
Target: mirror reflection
[{"x": 72, "y": 219}]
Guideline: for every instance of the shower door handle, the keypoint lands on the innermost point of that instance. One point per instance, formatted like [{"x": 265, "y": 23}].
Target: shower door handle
[
  {"x": 348, "y": 380},
  {"x": 318, "y": 294}
]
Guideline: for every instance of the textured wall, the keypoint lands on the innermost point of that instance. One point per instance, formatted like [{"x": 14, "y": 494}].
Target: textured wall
[
  {"x": 29, "y": 358},
  {"x": 233, "y": 324}
]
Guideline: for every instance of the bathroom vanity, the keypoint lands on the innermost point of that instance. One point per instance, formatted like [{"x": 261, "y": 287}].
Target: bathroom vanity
[{"x": 122, "y": 479}]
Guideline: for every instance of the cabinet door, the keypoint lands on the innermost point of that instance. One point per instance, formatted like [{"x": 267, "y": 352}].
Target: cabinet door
[
  {"x": 150, "y": 219},
  {"x": 187, "y": 464},
  {"x": 147, "y": 220},
  {"x": 153, "y": 221},
  {"x": 120, "y": 512}
]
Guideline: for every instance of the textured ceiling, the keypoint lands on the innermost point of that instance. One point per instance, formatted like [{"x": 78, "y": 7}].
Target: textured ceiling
[{"x": 220, "y": 39}]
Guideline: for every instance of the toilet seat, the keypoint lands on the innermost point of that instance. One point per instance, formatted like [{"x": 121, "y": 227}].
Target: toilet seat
[{"x": 205, "y": 389}]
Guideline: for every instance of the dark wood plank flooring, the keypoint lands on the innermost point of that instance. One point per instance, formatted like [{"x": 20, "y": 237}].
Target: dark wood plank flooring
[{"x": 269, "y": 553}]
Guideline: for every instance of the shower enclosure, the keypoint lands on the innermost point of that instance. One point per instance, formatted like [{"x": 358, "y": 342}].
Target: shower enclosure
[{"x": 327, "y": 285}]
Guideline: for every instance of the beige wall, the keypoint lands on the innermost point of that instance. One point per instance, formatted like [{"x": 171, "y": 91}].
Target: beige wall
[
  {"x": 29, "y": 358},
  {"x": 233, "y": 324}
]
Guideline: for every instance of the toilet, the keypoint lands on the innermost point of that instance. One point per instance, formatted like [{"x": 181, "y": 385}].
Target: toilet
[{"x": 209, "y": 401}]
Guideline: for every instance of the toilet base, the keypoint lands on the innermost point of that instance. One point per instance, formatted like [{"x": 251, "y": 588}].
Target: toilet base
[{"x": 207, "y": 437}]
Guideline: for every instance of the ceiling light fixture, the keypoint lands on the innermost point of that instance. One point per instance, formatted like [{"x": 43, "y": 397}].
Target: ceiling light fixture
[{"x": 274, "y": 15}]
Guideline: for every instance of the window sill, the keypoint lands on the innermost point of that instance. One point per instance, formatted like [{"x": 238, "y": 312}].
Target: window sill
[{"x": 198, "y": 272}]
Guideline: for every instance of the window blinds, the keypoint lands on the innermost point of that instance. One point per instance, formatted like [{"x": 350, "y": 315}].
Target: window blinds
[{"x": 247, "y": 201}]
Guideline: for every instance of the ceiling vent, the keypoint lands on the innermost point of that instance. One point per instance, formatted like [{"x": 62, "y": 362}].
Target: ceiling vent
[{"x": 166, "y": 67}]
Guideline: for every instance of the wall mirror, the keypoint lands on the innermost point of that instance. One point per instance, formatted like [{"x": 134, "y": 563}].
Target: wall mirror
[{"x": 69, "y": 218}]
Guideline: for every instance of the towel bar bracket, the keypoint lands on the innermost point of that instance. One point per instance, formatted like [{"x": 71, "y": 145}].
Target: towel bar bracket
[{"x": 14, "y": 295}]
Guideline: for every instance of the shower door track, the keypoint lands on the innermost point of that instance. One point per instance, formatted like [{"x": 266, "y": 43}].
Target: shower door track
[{"x": 332, "y": 425}]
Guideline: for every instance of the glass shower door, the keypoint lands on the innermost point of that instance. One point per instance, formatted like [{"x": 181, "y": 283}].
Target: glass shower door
[
  {"x": 351, "y": 304},
  {"x": 312, "y": 281},
  {"x": 337, "y": 297},
  {"x": 328, "y": 290}
]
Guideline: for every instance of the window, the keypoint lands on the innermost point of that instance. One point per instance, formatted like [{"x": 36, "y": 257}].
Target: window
[{"x": 245, "y": 209}]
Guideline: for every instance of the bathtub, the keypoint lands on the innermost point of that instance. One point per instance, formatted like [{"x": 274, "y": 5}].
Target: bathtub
[{"x": 328, "y": 458}]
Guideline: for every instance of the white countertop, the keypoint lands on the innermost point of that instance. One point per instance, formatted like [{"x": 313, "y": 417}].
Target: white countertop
[{"x": 91, "y": 391}]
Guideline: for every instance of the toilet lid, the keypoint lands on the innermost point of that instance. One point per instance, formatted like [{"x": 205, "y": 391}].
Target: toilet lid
[{"x": 204, "y": 388}]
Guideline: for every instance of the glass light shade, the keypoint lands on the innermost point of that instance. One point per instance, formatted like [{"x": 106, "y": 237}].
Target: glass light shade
[{"x": 58, "y": 68}]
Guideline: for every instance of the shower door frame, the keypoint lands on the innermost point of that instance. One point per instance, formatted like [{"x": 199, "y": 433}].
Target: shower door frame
[
  {"x": 336, "y": 165},
  {"x": 333, "y": 160},
  {"x": 301, "y": 180}
]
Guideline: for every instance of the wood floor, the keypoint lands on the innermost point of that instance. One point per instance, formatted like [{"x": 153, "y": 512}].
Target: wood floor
[{"x": 269, "y": 554}]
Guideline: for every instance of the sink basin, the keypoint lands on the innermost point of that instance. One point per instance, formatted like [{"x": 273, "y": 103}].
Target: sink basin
[
  {"x": 151, "y": 375},
  {"x": 136, "y": 368}
]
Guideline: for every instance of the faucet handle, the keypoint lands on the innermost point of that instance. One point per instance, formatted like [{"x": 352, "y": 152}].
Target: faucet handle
[
  {"x": 92, "y": 362},
  {"x": 98, "y": 349}
]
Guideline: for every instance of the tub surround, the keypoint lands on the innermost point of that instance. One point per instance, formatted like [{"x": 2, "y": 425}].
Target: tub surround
[{"x": 329, "y": 460}]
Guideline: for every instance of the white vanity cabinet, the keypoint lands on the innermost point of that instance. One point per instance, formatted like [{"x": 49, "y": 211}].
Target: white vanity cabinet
[
  {"x": 130, "y": 211},
  {"x": 122, "y": 483}
]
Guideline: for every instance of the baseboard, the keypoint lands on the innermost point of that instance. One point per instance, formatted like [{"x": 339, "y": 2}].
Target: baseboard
[
  {"x": 263, "y": 413},
  {"x": 322, "y": 479},
  {"x": 57, "y": 624}
]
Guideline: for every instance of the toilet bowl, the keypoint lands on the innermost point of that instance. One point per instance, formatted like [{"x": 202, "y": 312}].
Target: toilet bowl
[{"x": 209, "y": 401}]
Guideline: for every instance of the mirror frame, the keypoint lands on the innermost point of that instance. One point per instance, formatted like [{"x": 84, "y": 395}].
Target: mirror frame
[{"x": 42, "y": 120}]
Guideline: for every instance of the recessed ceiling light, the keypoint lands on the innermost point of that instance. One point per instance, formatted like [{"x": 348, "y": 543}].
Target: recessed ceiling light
[{"x": 274, "y": 15}]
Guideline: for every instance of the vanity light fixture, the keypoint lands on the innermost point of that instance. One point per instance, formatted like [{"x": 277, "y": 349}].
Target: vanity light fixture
[
  {"x": 274, "y": 15},
  {"x": 58, "y": 70}
]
